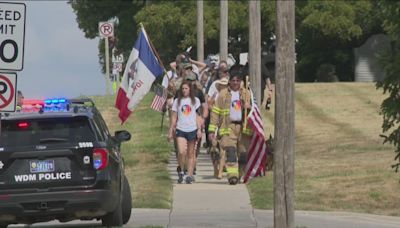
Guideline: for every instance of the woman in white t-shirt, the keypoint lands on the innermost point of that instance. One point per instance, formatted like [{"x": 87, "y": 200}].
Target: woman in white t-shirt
[{"x": 185, "y": 125}]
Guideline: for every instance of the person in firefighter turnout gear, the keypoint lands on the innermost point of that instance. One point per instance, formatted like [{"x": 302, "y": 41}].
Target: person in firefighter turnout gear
[{"x": 228, "y": 118}]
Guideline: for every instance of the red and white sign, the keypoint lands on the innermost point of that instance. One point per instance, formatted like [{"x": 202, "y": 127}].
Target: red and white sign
[
  {"x": 8, "y": 91},
  {"x": 117, "y": 67},
  {"x": 106, "y": 29}
]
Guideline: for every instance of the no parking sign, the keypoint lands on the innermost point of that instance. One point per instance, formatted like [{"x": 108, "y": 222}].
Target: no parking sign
[{"x": 8, "y": 85}]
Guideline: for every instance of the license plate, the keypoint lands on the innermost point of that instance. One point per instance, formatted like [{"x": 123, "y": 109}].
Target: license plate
[{"x": 41, "y": 166}]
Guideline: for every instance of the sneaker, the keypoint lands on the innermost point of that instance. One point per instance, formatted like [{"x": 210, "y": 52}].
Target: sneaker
[
  {"x": 180, "y": 178},
  {"x": 233, "y": 180},
  {"x": 189, "y": 180}
]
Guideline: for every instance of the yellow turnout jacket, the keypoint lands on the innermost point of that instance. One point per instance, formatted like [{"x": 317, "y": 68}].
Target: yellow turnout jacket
[{"x": 221, "y": 110}]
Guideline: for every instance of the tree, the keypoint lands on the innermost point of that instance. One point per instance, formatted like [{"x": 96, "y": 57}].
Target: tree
[
  {"x": 171, "y": 25},
  {"x": 90, "y": 13},
  {"x": 328, "y": 31},
  {"x": 390, "y": 107}
]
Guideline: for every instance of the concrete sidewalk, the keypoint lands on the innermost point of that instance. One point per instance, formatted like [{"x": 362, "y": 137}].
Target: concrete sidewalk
[
  {"x": 209, "y": 202},
  {"x": 214, "y": 203}
]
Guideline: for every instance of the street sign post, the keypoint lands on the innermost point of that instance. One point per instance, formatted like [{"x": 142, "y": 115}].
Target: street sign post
[
  {"x": 106, "y": 30},
  {"x": 12, "y": 36},
  {"x": 8, "y": 91}
]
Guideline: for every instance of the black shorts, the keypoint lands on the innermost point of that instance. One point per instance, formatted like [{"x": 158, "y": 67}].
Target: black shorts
[{"x": 189, "y": 136}]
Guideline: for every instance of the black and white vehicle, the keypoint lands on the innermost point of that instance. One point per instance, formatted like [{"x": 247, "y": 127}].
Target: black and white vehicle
[{"x": 59, "y": 161}]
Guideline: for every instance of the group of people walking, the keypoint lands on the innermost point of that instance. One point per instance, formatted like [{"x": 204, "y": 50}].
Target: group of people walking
[{"x": 214, "y": 100}]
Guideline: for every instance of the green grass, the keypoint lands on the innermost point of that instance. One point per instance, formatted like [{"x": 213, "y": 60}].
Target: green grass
[
  {"x": 262, "y": 190},
  {"x": 340, "y": 161},
  {"x": 145, "y": 155}
]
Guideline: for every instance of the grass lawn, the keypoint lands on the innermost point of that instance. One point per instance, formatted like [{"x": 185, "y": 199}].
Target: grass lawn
[
  {"x": 340, "y": 161},
  {"x": 146, "y": 154}
]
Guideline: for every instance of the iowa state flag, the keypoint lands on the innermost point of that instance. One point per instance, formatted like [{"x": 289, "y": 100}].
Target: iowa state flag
[{"x": 141, "y": 70}]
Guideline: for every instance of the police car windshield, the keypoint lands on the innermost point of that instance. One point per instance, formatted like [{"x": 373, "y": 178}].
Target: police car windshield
[{"x": 29, "y": 132}]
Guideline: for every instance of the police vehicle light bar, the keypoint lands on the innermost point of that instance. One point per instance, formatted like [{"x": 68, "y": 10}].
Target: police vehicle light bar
[{"x": 48, "y": 105}]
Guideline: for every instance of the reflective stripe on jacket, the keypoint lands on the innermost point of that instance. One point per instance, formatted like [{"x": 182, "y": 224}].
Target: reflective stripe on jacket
[{"x": 220, "y": 112}]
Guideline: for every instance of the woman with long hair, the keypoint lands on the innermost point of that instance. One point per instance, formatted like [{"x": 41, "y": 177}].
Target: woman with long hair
[{"x": 186, "y": 127}]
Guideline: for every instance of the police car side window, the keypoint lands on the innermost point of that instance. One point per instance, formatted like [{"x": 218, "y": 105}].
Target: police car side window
[
  {"x": 103, "y": 125},
  {"x": 99, "y": 132}
]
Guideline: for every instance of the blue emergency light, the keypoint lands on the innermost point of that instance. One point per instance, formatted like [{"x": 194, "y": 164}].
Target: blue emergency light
[
  {"x": 55, "y": 104},
  {"x": 55, "y": 101}
]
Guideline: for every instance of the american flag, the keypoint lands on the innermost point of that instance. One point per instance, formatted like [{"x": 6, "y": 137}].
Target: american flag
[
  {"x": 159, "y": 99},
  {"x": 257, "y": 152}
]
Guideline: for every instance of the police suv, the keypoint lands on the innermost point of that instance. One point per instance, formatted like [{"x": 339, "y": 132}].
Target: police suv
[{"x": 59, "y": 161}]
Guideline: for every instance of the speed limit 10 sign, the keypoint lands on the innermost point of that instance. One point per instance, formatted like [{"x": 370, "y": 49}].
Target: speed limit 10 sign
[{"x": 12, "y": 35}]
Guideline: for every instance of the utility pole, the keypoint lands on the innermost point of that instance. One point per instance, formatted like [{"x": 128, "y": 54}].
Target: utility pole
[
  {"x": 255, "y": 48},
  {"x": 200, "y": 31},
  {"x": 284, "y": 116},
  {"x": 223, "y": 30}
]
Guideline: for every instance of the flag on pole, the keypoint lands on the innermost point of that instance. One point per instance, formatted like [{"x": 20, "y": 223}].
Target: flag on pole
[
  {"x": 142, "y": 68},
  {"x": 159, "y": 99},
  {"x": 257, "y": 151}
]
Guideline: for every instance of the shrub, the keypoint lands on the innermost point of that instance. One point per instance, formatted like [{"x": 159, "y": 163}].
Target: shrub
[{"x": 326, "y": 73}]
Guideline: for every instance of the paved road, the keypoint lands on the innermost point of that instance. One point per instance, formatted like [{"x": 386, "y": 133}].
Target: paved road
[{"x": 213, "y": 203}]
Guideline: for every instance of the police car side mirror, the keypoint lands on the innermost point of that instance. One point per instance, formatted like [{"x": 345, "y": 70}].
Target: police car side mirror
[{"x": 122, "y": 135}]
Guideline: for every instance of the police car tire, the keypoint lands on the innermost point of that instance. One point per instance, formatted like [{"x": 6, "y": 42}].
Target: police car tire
[
  {"x": 113, "y": 218},
  {"x": 126, "y": 201}
]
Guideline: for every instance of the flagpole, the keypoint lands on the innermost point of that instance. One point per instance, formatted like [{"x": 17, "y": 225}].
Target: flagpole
[{"x": 245, "y": 100}]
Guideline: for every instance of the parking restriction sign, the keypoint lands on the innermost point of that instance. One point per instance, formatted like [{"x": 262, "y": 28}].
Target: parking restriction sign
[
  {"x": 106, "y": 29},
  {"x": 8, "y": 85}
]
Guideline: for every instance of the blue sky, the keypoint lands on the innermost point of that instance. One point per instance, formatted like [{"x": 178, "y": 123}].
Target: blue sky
[{"x": 59, "y": 61}]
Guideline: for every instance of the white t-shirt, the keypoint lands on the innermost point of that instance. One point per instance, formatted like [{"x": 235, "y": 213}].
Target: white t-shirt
[
  {"x": 213, "y": 90},
  {"x": 235, "y": 112},
  {"x": 186, "y": 114}
]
